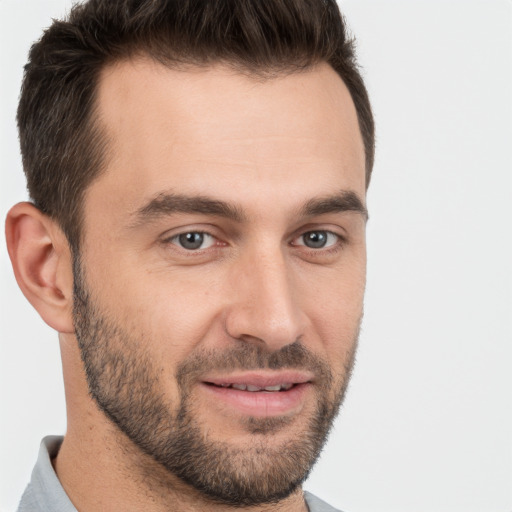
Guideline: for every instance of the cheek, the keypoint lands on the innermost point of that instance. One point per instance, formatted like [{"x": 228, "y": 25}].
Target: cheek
[
  {"x": 164, "y": 315},
  {"x": 172, "y": 312},
  {"x": 335, "y": 308}
]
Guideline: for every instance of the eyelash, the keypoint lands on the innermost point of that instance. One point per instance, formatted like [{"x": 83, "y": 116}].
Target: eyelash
[
  {"x": 317, "y": 231},
  {"x": 333, "y": 248},
  {"x": 326, "y": 252},
  {"x": 185, "y": 233}
]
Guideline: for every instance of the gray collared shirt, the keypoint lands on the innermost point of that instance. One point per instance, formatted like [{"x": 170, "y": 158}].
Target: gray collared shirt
[{"x": 44, "y": 493}]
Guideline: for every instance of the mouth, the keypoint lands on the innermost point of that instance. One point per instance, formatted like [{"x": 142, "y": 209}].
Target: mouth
[
  {"x": 285, "y": 386},
  {"x": 259, "y": 394}
]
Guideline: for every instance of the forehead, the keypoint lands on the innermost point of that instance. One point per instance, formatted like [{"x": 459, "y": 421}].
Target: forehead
[{"x": 192, "y": 128}]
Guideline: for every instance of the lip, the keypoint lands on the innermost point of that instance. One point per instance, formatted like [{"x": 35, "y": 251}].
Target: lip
[
  {"x": 260, "y": 403},
  {"x": 260, "y": 379}
]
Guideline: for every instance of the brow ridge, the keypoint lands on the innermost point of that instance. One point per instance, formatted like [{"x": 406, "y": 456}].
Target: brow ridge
[
  {"x": 165, "y": 204},
  {"x": 343, "y": 201},
  {"x": 168, "y": 203}
]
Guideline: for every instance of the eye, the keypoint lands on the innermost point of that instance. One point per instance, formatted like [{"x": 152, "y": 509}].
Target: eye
[
  {"x": 193, "y": 240},
  {"x": 318, "y": 239}
]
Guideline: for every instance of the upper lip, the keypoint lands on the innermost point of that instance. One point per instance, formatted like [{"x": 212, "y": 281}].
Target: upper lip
[{"x": 260, "y": 378}]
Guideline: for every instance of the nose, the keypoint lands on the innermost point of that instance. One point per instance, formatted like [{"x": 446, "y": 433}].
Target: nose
[{"x": 265, "y": 306}]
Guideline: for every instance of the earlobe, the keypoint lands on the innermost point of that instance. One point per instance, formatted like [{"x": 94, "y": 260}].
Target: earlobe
[{"x": 41, "y": 260}]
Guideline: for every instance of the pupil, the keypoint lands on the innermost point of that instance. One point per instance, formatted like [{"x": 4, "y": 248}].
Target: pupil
[
  {"x": 315, "y": 239},
  {"x": 191, "y": 240}
]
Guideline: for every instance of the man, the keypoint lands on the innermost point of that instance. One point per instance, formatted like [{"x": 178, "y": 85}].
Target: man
[{"x": 198, "y": 174}]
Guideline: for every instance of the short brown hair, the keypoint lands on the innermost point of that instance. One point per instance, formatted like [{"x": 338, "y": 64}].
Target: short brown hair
[{"x": 62, "y": 145}]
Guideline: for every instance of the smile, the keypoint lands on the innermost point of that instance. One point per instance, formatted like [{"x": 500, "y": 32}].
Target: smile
[
  {"x": 259, "y": 394},
  {"x": 249, "y": 387}
]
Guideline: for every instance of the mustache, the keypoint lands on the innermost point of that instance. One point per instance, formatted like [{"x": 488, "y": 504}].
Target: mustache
[{"x": 250, "y": 357}]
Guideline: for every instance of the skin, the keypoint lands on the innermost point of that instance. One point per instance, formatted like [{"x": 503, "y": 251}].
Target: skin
[{"x": 264, "y": 147}]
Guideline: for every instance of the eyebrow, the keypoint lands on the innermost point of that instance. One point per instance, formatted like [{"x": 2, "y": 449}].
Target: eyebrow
[
  {"x": 344, "y": 201},
  {"x": 165, "y": 204}
]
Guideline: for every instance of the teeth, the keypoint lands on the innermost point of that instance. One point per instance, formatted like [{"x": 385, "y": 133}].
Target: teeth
[
  {"x": 249, "y": 387},
  {"x": 273, "y": 388}
]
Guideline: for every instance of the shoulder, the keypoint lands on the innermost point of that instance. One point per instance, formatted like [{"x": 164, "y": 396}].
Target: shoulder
[
  {"x": 28, "y": 501},
  {"x": 317, "y": 505},
  {"x": 44, "y": 493}
]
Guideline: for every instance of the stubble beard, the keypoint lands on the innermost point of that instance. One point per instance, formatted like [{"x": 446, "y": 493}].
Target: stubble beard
[{"x": 125, "y": 384}]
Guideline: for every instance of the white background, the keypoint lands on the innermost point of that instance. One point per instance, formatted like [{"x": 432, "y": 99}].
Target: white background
[{"x": 427, "y": 425}]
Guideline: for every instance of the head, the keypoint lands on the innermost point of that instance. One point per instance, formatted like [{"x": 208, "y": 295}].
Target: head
[{"x": 207, "y": 169}]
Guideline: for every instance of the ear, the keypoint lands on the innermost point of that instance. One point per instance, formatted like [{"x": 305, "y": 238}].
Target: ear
[{"x": 42, "y": 264}]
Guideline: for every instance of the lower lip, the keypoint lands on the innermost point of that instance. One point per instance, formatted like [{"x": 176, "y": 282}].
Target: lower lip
[{"x": 261, "y": 403}]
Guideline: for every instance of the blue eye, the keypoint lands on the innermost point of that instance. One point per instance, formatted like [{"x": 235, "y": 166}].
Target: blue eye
[
  {"x": 193, "y": 240},
  {"x": 318, "y": 239}
]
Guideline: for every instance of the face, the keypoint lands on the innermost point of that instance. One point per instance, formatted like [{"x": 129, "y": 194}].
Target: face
[{"x": 219, "y": 290}]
